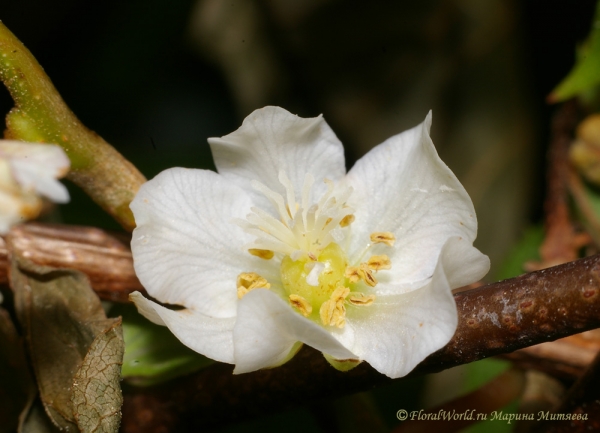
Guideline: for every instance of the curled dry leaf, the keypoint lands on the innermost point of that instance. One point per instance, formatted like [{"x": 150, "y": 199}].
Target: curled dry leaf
[
  {"x": 96, "y": 395},
  {"x": 70, "y": 340}
]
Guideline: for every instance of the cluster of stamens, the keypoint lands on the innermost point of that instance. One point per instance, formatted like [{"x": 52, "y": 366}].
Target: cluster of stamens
[{"x": 314, "y": 270}]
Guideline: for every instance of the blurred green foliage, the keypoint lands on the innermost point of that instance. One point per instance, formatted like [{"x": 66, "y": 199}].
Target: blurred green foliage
[
  {"x": 478, "y": 374},
  {"x": 584, "y": 78},
  {"x": 525, "y": 250}
]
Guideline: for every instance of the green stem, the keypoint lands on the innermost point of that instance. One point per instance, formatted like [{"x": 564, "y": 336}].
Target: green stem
[{"x": 41, "y": 115}]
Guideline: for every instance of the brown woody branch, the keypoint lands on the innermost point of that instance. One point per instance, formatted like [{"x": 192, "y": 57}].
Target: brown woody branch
[
  {"x": 104, "y": 257},
  {"x": 494, "y": 319}
]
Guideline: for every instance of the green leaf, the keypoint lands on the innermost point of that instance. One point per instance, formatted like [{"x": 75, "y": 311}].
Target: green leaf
[
  {"x": 65, "y": 326},
  {"x": 585, "y": 75},
  {"x": 152, "y": 353}
]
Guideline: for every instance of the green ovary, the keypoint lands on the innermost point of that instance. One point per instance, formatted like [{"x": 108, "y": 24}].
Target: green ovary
[{"x": 294, "y": 273}]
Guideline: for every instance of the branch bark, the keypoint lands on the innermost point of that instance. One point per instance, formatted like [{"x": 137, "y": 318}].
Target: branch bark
[{"x": 104, "y": 257}]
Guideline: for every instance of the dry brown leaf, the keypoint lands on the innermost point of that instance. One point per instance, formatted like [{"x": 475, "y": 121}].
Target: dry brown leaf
[
  {"x": 96, "y": 396},
  {"x": 62, "y": 319}
]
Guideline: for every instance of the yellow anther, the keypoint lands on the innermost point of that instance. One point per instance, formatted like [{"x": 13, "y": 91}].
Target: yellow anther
[
  {"x": 352, "y": 273},
  {"x": 333, "y": 311},
  {"x": 379, "y": 262},
  {"x": 387, "y": 238},
  {"x": 340, "y": 292},
  {"x": 326, "y": 312},
  {"x": 362, "y": 272},
  {"x": 367, "y": 275},
  {"x": 361, "y": 299},
  {"x": 347, "y": 220},
  {"x": 301, "y": 304},
  {"x": 328, "y": 221},
  {"x": 241, "y": 291},
  {"x": 263, "y": 254},
  {"x": 247, "y": 281}
]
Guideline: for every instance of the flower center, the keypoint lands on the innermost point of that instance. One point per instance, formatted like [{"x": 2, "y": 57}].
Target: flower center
[
  {"x": 315, "y": 274},
  {"x": 315, "y": 281}
]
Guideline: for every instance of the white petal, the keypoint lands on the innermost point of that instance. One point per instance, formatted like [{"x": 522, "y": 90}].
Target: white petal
[
  {"x": 209, "y": 336},
  {"x": 397, "y": 332},
  {"x": 463, "y": 263},
  {"x": 37, "y": 166},
  {"x": 403, "y": 187},
  {"x": 267, "y": 329},
  {"x": 185, "y": 249},
  {"x": 272, "y": 139}
]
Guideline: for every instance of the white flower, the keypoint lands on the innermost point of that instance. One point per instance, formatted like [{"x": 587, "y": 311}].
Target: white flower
[
  {"x": 282, "y": 247},
  {"x": 28, "y": 170}
]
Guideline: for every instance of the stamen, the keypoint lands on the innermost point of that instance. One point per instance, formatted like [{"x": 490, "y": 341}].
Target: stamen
[
  {"x": 379, "y": 262},
  {"x": 263, "y": 242},
  {"x": 305, "y": 227},
  {"x": 361, "y": 272},
  {"x": 301, "y": 304},
  {"x": 270, "y": 225},
  {"x": 247, "y": 281},
  {"x": 263, "y": 254},
  {"x": 366, "y": 274},
  {"x": 291, "y": 213},
  {"x": 347, "y": 220},
  {"x": 352, "y": 274},
  {"x": 327, "y": 195},
  {"x": 297, "y": 255},
  {"x": 387, "y": 238},
  {"x": 308, "y": 183},
  {"x": 274, "y": 198},
  {"x": 321, "y": 218},
  {"x": 292, "y": 206},
  {"x": 333, "y": 311},
  {"x": 360, "y": 299}
]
